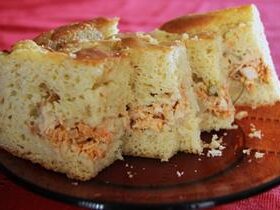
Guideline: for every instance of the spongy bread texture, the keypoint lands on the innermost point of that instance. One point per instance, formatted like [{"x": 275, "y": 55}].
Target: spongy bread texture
[
  {"x": 163, "y": 109},
  {"x": 246, "y": 58},
  {"x": 63, "y": 112},
  {"x": 157, "y": 101},
  {"x": 210, "y": 85}
]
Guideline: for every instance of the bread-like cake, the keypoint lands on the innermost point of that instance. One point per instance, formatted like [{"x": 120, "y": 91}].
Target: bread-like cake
[
  {"x": 163, "y": 109},
  {"x": 246, "y": 58},
  {"x": 63, "y": 111},
  {"x": 204, "y": 55}
]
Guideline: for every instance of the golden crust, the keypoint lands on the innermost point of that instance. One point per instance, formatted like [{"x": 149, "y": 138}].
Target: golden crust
[
  {"x": 96, "y": 29},
  {"x": 146, "y": 42},
  {"x": 212, "y": 21}
]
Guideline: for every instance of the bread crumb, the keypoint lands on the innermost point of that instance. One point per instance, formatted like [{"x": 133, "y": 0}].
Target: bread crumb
[
  {"x": 246, "y": 151},
  {"x": 234, "y": 126},
  {"x": 75, "y": 183},
  {"x": 199, "y": 159},
  {"x": 195, "y": 171},
  {"x": 240, "y": 115},
  {"x": 215, "y": 143},
  {"x": 214, "y": 153},
  {"x": 259, "y": 155},
  {"x": 221, "y": 147},
  {"x": 225, "y": 133},
  {"x": 254, "y": 133},
  {"x": 179, "y": 174},
  {"x": 130, "y": 174},
  {"x": 215, "y": 137}
]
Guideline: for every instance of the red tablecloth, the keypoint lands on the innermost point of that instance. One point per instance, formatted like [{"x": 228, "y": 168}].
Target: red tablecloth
[{"x": 21, "y": 19}]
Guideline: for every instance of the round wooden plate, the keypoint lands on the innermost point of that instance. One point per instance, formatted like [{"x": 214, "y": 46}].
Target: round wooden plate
[{"x": 185, "y": 182}]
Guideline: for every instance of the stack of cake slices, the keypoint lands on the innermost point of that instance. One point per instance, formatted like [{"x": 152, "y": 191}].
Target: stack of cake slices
[{"x": 77, "y": 98}]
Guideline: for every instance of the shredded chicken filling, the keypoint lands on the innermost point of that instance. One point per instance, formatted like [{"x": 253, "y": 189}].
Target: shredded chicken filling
[
  {"x": 88, "y": 139},
  {"x": 214, "y": 100},
  {"x": 249, "y": 73},
  {"x": 155, "y": 116}
]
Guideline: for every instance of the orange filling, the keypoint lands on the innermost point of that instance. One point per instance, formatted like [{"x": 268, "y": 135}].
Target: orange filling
[
  {"x": 257, "y": 67},
  {"x": 155, "y": 116},
  {"x": 217, "y": 104},
  {"x": 92, "y": 141},
  {"x": 148, "y": 117},
  {"x": 79, "y": 133}
]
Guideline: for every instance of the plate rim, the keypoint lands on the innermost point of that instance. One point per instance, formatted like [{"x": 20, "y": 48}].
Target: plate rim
[{"x": 104, "y": 205}]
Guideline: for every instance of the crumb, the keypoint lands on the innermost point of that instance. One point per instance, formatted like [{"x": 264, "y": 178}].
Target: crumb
[
  {"x": 254, "y": 133},
  {"x": 221, "y": 147},
  {"x": 215, "y": 146},
  {"x": 259, "y": 155},
  {"x": 179, "y": 174},
  {"x": 215, "y": 137},
  {"x": 130, "y": 174},
  {"x": 143, "y": 168},
  {"x": 131, "y": 166},
  {"x": 246, "y": 151},
  {"x": 240, "y": 115},
  {"x": 195, "y": 171},
  {"x": 199, "y": 159},
  {"x": 126, "y": 165},
  {"x": 75, "y": 183},
  {"x": 234, "y": 126},
  {"x": 214, "y": 153},
  {"x": 225, "y": 133},
  {"x": 250, "y": 160},
  {"x": 215, "y": 142}
]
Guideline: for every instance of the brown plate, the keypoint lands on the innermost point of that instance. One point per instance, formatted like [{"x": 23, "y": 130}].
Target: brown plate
[{"x": 185, "y": 182}]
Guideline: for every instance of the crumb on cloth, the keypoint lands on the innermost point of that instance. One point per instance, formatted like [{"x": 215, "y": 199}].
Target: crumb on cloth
[{"x": 241, "y": 115}]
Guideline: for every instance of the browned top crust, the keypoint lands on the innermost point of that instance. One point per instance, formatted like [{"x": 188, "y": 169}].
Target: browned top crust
[
  {"x": 213, "y": 21},
  {"x": 91, "y": 30}
]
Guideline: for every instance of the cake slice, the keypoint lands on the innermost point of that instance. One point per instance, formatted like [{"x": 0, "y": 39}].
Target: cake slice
[
  {"x": 65, "y": 112},
  {"x": 204, "y": 55},
  {"x": 163, "y": 109},
  {"x": 246, "y": 58}
]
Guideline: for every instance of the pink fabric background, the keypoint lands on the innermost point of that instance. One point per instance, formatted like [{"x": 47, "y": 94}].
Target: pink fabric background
[{"x": 23, "y": 19}]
